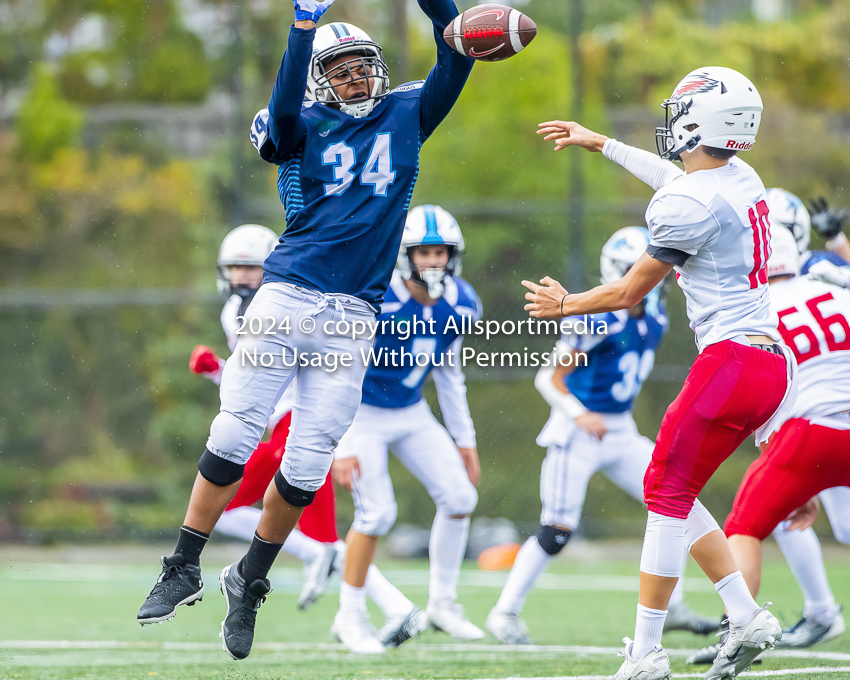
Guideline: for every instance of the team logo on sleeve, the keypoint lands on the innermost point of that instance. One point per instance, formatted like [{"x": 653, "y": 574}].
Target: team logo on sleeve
[{"x": 694, "y": 85}]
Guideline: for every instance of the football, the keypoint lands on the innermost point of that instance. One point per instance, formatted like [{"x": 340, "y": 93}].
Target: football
[{"x": 490, "y": 32}]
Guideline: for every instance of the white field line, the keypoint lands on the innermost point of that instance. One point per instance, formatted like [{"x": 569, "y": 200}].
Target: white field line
[
  {"x": 751, "y": 674},
  {"x": 331, "y": 647},
  {"x": 290, "y": 579}
]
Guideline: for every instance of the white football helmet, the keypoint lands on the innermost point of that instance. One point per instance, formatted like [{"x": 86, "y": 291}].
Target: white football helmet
[
  {"x": 429, "y": 225},
  {"x": 249, "y": 244},
  {"x": 784, "y": 257},
  {"x": 787, "y": 209},
  {"x": 621, "y": 251},
  {"x": 338, "y": 39},
  {"x": 724, "y": 106}
]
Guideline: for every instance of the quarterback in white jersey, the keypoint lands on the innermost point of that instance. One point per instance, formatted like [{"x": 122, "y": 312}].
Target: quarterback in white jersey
[
  {"x": 710, "y": 224},
  {"x": 591, "y": 430},
  {"x": 811, "y": 451}
]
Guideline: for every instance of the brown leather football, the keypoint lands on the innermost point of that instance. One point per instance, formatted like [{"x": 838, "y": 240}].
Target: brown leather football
[{"x": 490, "y": 32}]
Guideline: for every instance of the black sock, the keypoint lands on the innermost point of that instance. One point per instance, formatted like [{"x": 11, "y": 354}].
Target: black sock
[
  {"x": 190, "y": 543},
  {"x": 259, "y": 560}
]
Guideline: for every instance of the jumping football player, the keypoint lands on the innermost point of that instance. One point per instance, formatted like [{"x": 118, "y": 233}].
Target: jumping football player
[
  {"x": 239, "y": 275},
  {"x": 591, "y": 429},
  {"x": 428, "y": 301},
  {"x": 710, "y": 223},
  {"x": 811, "y": 451},
  {"x": 348, "y": 151}
]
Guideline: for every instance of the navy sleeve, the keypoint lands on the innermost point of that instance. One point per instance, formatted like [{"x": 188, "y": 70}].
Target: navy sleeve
[
  {"x": 286, "y": 129},
  {"x": 447, "y": 78}
]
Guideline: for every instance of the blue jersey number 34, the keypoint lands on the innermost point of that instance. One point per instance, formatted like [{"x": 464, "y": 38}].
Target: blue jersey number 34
[{"x": 377, "y": 173}]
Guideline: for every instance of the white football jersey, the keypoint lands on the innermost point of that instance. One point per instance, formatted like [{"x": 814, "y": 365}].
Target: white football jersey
[
  {"x": 720, "y": 218},
  {"x": 231, "y": 323},
  {"x": 814, "y": 320}
]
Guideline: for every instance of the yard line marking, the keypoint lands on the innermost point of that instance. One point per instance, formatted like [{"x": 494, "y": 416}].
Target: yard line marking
[
  {"x": 419, "y": 647},
  {"x": 749, "y": 674}
]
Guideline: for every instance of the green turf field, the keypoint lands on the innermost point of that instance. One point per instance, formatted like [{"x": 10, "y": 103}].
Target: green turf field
[{"x": 70, "y": 614}]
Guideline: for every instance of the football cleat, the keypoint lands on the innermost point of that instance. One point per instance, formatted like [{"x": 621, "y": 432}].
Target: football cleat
[
  {"x": 743, "y": 644},
  {"x": 507, "y": 627},
  {"x": 449, "y": 617},
  {"x": 654, "y": 665},
  {"x": 316, "y": 573},
  {"x": 354, "y": 631},
  {"x": 243, "y": 601},
  {"x": 179, "y": 583},
  {"x": 399, "y": 629},
  {"x": 807, "y": 632},
  {"x": 682, "y": 617}
]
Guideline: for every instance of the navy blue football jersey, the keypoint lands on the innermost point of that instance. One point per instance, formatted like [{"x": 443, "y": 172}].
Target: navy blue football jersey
[
  {"x": 347, "y": 182},
  {"x": 813, "y": 256},
  {"x": 617, "y": 361},
  {"x": 394, "y": 380}
]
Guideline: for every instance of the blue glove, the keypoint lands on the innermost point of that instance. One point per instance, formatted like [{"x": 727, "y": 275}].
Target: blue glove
[{"x": 311, "y": 10}]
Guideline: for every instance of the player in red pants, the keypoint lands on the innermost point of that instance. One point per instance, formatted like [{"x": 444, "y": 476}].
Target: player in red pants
[
  {"x": 240, "y": 274},
  {"x": 811, "y": 452},
  {"x": 711, "y": 224}
]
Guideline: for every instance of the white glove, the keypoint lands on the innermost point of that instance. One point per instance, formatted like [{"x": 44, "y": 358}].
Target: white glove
[
  {"x": 829, "y": 272},
  {"x": 311, "y": 10}
]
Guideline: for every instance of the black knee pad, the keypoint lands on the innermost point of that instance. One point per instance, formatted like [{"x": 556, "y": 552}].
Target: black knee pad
[
  {"x": 552, "y": 539},
  {"x": 292, "y": 494},
  {"x": 219, "y": 471}
]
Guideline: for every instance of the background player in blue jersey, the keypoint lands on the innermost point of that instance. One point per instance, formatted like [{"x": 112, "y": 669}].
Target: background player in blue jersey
[
  {"x": 426, "y": 293},
  {"x": 591, "y": 430},
  {"x": 348, "y": 150}
]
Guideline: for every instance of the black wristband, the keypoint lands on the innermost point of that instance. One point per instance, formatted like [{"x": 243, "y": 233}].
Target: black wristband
[{"x": 561, "y": 309}]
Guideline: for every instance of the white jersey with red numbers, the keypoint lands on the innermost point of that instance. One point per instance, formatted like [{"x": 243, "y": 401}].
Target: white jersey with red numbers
[
  {"x": 814, "y": 321},
  {"x": 231, "y": 322},
  {"x": 717, "y": 220}
]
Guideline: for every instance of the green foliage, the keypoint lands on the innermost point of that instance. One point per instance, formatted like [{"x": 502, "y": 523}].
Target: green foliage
[
  {"x": 801, "y": 61},
  {"x": 46, "y": 122}
]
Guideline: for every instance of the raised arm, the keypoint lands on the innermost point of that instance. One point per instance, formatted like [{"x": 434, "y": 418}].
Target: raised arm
[
  {"x": 646, "y": 166},
  {"x": 449, "y": 75},
  {"x": 286, "y": 130}
]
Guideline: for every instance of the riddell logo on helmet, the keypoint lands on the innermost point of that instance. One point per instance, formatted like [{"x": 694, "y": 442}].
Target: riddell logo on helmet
[
  {"x": 347, "y": 38},
  {"x": 739, "y": 146}
]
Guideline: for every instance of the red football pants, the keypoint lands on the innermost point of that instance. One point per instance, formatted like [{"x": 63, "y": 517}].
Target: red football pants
[
  {"x": 801, "y": 460},
  {"x": 730, "y": 392},
  {"x": 318, "y": 521}
]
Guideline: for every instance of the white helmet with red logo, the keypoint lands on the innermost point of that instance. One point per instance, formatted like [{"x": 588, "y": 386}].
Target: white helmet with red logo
[
  {"x": 723, "y": 107},
  {"x": 338, "y": 39}
]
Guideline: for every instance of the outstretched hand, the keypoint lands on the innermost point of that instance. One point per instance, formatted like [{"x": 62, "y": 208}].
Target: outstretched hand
[
  {"x": 568, "y": 133},
  {"x": 311, "y": 10},
  {"x": 545, "y": 300}
]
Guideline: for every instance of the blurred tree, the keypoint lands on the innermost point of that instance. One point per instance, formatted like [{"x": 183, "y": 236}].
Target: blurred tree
[{"x": 46, "y": 122}]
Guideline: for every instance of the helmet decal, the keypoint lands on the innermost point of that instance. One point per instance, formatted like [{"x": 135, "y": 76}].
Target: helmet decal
[{"x": 694, "y": 84}]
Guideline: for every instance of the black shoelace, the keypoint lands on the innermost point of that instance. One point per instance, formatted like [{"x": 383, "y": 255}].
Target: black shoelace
[
  {"x": 172, "y": 577},
  {"x": 249, "y": 607}
]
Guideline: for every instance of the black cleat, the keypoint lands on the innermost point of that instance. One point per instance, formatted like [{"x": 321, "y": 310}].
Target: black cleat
[
  {"x": 237, "y": 629},
  {"x": 179, "y": 583}
]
